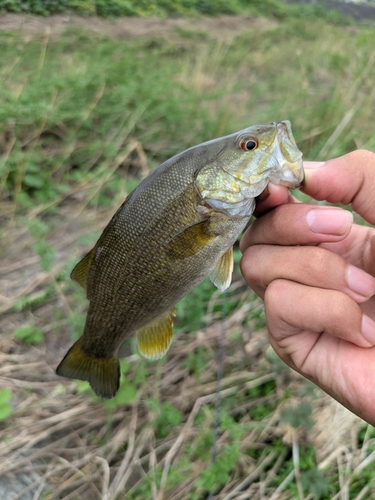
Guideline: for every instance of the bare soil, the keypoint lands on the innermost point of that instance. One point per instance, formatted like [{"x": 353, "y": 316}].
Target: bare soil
[{"x": 132, "y": 27}]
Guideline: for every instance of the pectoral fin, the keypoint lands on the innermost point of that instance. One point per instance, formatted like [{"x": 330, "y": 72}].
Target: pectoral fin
[
  {"x": 155, "y": 338},
  {"x": 195, "y": 237},
  {"x": 221, "y": 276},
  {"x": 81, "y": 270},
  {"x": 190, "y": 241}
]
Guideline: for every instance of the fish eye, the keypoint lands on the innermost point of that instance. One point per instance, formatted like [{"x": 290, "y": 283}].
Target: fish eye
[{"x": 248, "y": 144}]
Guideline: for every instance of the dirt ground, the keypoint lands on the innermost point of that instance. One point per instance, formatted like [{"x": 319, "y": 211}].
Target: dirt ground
[{"x": 131, "y": 27}]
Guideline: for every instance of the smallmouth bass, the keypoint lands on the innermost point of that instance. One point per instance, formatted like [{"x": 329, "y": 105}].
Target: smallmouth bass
[{"x": 177, "y": 227}]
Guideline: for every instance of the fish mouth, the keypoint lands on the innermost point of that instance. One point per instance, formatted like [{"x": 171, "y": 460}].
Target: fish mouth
[
  {"x": 285, "y": 150},
  {"x": 302, "y": 183}
]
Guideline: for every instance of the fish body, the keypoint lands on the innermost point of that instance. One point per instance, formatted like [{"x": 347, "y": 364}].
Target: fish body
[{"x": 176, "y": 228}]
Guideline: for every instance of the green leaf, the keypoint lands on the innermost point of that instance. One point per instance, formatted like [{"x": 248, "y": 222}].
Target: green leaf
[
  {"x": 29, "y": 334},
  {"x": 299, "y": 416},
  {"x": 33, "y": 180},
  {"x": 5, "y": 396},
  {"x": 124, "y": 366},
  {"x": 5, "y": 411},
  {"x": 314, "y": 482},
  {"x": 126, "y": 394},
  {"x": 83, "y": 386},
  {"x": 5, "y": 408}
]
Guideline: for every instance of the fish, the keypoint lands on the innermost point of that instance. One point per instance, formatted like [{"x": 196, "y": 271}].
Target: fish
[{"x": 175, "y": 229}]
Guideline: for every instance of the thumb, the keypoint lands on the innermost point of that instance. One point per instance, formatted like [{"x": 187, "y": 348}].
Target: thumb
[{"x": 349, "y": 179}]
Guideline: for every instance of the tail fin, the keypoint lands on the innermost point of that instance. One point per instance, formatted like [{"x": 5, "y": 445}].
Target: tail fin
[{"x": 103, "y": 374}]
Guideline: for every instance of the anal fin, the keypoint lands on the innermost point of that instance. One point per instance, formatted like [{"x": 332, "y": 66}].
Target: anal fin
[
  {"x": 221, "y": 276},
  {"x": 155, "y": 338}
]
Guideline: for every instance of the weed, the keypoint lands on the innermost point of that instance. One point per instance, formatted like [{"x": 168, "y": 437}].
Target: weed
[
  {"x": 5, "y": 405},
  {"x": 166, "y": 415},
  {"x": 29, "y": 334},
  {"x": 314, "y": 482},
  {"x": 126, "y": 394},
  {"x": 114, "y": 8},
  {"x": 39, "y": 230},
  {"x": 299, "y": 416},
  {"x": 197, "y": 360}
]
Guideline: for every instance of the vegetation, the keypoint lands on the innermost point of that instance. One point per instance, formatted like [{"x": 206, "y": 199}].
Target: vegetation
[
  {"x": 163, "y": 8},
  {"x": 83, "y": 118}
]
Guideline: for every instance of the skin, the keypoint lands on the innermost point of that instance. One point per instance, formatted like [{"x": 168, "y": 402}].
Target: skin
[{"x": 315, "y": 271}]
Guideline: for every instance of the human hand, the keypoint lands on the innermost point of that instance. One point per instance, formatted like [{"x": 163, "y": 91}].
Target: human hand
[{"x": 315, "y": 271}]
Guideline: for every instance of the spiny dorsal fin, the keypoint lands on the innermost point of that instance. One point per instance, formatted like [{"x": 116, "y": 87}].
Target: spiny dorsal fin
[
  {"x": 221, "y": 276},
  {"x": 155, "y": 338},
  {"x": 81, "y": 270},
  {"x": 103, "y": 374}
]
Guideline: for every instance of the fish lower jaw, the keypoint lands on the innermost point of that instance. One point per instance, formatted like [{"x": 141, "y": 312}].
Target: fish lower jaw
[
  {"x": 243, "y": 208},
  {"x": 290, "y": 175}
]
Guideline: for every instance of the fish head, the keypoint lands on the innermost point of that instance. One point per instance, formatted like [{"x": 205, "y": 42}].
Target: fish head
[{"x": 246, "y": 162}]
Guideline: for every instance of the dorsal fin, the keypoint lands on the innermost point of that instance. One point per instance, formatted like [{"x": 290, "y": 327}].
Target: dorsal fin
[
  {"x": 221, "y": 276},
  {"x": 81, "y": 270},
  {"x": 155, "y": 338}
]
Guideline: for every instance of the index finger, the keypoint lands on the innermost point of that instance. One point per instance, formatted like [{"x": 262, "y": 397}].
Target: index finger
[
  {"x": 273, "y": 196},
  {"x": 349, "y": 179}
]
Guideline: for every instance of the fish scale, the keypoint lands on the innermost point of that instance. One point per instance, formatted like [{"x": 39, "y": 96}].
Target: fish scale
[{"x": 177, "y": 227}]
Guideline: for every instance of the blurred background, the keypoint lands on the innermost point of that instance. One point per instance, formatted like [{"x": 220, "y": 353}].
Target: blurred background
[{"x": 91, "y": 102}]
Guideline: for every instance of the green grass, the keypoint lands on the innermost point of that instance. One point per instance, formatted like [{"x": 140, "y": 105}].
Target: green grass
[{"x": 83, "y": 118}]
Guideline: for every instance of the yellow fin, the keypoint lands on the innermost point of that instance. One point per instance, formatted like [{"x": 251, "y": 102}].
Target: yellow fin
[
  {"x": 221, "y": 276},
  {"x": 81, "y": 270},
  {"x": 155, "y": 338},
  {"x": 103, "y": 374},
  {"x": 190, "y": 240}
]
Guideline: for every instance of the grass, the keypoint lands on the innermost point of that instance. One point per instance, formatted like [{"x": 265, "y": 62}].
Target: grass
[
  {"x": 83, "y": 118},
  {"x": 165, "y": 8}
]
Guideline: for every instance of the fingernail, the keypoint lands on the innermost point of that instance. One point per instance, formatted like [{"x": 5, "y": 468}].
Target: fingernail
[
  {"x": 360, "y": 282},
  {"x": 313, "y": 164},
  {"x": 329, "y": 220},
  {"x": 368, "y": 329}
]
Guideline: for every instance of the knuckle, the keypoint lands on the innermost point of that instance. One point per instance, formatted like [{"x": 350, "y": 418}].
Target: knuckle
[
  {"x": 250, "y": 265},
  {"x": 276, "y": 300},
  {"x": 275, "y": 295},
  {"x": 322, "y": 267},
  {"x": 340, "y": 307}
]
